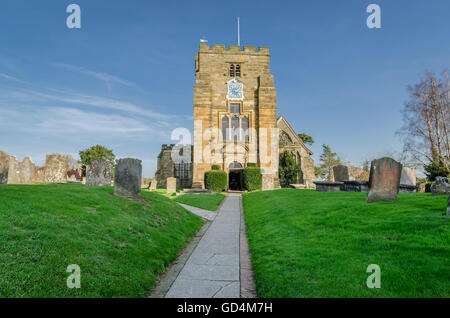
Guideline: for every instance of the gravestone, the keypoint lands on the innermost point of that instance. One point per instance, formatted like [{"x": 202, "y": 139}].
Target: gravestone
[
  {"x": 268, "y": 182},
  {"x": 448, "y": 205},
  {"x": 171, "y": 185},
  {"x": 384, "y": 180},
  {"x": 4, "y": 167},
  {"x": 99, "y": 173},
  {"x": 153, "y": 184},
  {"x": 440, "y": 186},
  {"x": 21, "y": 172},
  {"x": 408, "y": 176},
  {"x": 328, "y": 186},
  {"x": 340, "y": 173},
  {"x": 56, "y": 166},
  {"x": 127, "y": 178}
]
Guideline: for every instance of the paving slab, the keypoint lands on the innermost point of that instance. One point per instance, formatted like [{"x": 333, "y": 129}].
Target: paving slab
[
  {"x": 213, "y": 268},
  {"x": 208, "y": 215}
]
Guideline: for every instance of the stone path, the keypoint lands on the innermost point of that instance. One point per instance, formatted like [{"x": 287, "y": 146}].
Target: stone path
[
  {"x": 208, "y": 215},
  {"x": 213, "y": 268}
]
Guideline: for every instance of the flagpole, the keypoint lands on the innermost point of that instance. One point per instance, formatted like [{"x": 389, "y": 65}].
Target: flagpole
[{"x": 239, "y": 33}]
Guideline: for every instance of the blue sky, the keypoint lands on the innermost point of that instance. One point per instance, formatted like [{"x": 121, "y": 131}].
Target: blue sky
[{"x": 125, "y": 79}]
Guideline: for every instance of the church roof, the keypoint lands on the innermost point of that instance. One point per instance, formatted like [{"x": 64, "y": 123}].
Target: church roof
[{"x": 293, "y": 134}]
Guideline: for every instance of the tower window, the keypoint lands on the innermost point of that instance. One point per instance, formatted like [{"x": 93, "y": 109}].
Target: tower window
[
  {"x": 235, "y": 108},
  {"x": 235, "y": 70}
]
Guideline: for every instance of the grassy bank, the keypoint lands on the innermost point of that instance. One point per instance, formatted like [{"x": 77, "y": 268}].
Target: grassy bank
[
  {"x": 203, "y": 201},
  {"x": 121, "y": 246},
  {"x": 310, "y": 244}
]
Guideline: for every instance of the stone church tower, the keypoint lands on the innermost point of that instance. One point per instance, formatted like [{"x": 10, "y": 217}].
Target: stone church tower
[{"x": 235, "y": 113}]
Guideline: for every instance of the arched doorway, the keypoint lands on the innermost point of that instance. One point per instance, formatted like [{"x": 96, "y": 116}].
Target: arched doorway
[{"x": 234, "y": 176}]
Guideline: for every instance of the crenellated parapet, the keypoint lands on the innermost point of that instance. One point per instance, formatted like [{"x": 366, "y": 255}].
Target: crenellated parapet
[{"x": 220, "y": 48}]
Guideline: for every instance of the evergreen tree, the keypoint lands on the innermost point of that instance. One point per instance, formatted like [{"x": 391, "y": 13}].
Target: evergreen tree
[
  {"x": 328, "y": 160},
  {"x": 288, "y": 169}
]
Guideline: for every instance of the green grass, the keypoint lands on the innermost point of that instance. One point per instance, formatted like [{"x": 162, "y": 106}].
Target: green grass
[
  {"x": 203, "y": 201},
  {"x": 310, "y": 244},
  {"x": 122, "y": 246}
]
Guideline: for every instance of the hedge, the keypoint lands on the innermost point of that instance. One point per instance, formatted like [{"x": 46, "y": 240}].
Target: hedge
[
  {"x": 216, "y": 180},
  {"x": 215, "y": 167},
  {"x": 251, "y": 165},
  {"x": 251, "y": 179}
]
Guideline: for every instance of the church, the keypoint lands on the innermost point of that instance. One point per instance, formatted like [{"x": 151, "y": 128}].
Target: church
[{"x": 236, "y": 122}]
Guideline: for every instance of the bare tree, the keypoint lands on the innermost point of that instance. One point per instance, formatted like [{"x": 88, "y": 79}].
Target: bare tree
[{"x": 426, "y": 119}]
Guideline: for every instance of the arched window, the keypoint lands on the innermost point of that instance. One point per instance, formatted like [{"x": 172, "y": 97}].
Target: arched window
[
  {"x": 225, "y": 127},
  {"x": 235, "y": 165},
  {"x": 235, "y": 128},
  {"x": 244, "y": 126},
  {"x": 232, "y": 70}
]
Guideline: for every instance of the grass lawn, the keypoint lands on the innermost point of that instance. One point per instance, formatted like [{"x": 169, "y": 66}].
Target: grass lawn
[
  {"x": 204, "y": 201},
  {"x": 305, "y": 243},
  {"x": 121, "y": 246}
]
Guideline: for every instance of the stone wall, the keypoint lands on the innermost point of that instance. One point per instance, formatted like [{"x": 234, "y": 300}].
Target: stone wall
[
  {"x": 4, "y": 167},
  {"x": 167, "y": 168},
  {"x": 21, "y": 172},
  {"x": 56, "y": 167}
]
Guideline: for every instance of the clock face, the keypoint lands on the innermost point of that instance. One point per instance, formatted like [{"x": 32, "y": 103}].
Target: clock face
[{"x": 235, "y": 90}]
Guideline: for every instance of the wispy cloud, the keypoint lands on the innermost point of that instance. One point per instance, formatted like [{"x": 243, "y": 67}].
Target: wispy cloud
[
  {"x": 11, "y": 78},
  {"x": 107, "y": 78},
  {"x": 86, "y": 100}
]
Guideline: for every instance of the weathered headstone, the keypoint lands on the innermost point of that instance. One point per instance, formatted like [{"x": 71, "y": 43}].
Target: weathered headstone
[
  {"x": 171, "y": 185},
  {"x": 328, "y": 186},
  {"x": 440, "y": 186},
  {"x": 99, "y": 173},
  {"x": 421, "y": 187},
  {"x": 340, "y": 173},
  {"x": 127, "y": 178},
  {"x": 408, "y": 176},
  {"x": 448, "y": 205},
  {"x": 384, "y": 181},
  {"x": 268, "y": 182},
  {"x": 4, "y": 167},
  {"x": 21, "y": 172},
  {"x": 56, "y": 168},
  {"x": 153, "y": 184}
]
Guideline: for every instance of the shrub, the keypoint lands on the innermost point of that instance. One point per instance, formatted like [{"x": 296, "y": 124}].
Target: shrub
[
  {"x": 216, "y": 180},
  {"x": 215, "y": 167},
  {"x": 251, "y": 165},
  {"x": 251, "y": 179},
  {"x": 428, "y": 186}
]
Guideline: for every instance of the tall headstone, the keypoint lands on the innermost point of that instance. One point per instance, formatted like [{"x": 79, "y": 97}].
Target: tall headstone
[
  {"x": 56, "y": 166},
  {"x": 99, "y": 173},
  {"x": 127, "y": 178},
  {"x": 440, "y": 186},
  {"x": 408, "y": 176},
  {"x": 384, "y": 181},
  {"x": 171, "y": 185},
  {"x": 21, "y": 172},
  {"x": 340, "y": 173},
  {"x": 268, "y": 182},
  {"x": 4, "y": 167}
]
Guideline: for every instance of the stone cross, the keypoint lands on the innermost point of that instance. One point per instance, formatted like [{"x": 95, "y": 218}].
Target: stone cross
[
  {"x": 340, "y": 173},
  {"x": 384, "y": 182},
  {"x": 99, "y": 173},
  {"x": 127, "y": 178},
  {"x": 171, "y": 185}
]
